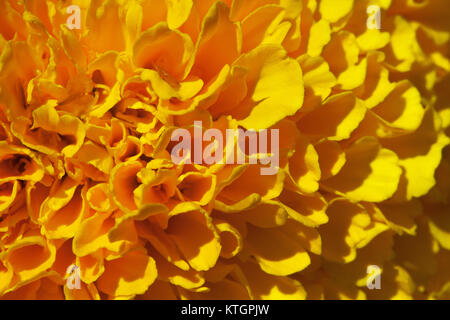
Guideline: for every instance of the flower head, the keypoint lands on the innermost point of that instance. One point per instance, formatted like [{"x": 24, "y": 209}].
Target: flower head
[{"x": 87, "y": 179}]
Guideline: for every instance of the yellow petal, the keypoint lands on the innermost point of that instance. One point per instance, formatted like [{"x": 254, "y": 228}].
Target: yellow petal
[
  {"x": 333, "y": 10},
  {"x": 129, "y": 275},
  {"x": 278, "y": 87},
  {"x": 105, "y": 28},
  {"x": 319, "y": 36},
  {"x": 177, "y": 12},
  {"x": 276, "y": 252},
  {"x": 167, "y": 51},
  {"x": 335, "y": 119},
  {"x": 371, "y": 173},
  {"x": 266, "y": 286},
  {"x": 196, "y": 238},
  {"x": 402, "y": 108},
  {"x": 30, "y": 257},
  {"x": 420, "y": 153}
]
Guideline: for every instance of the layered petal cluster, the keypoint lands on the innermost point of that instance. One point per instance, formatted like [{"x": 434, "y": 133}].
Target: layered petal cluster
[{"x": 87, "y": 178}]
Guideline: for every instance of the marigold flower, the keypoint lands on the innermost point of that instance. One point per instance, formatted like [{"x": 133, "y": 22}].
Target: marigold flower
[{"x": 87, "y": 178}]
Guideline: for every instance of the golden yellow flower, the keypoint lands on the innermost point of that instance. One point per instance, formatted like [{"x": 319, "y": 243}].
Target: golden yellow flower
[{"x": 91, "y": 97}]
